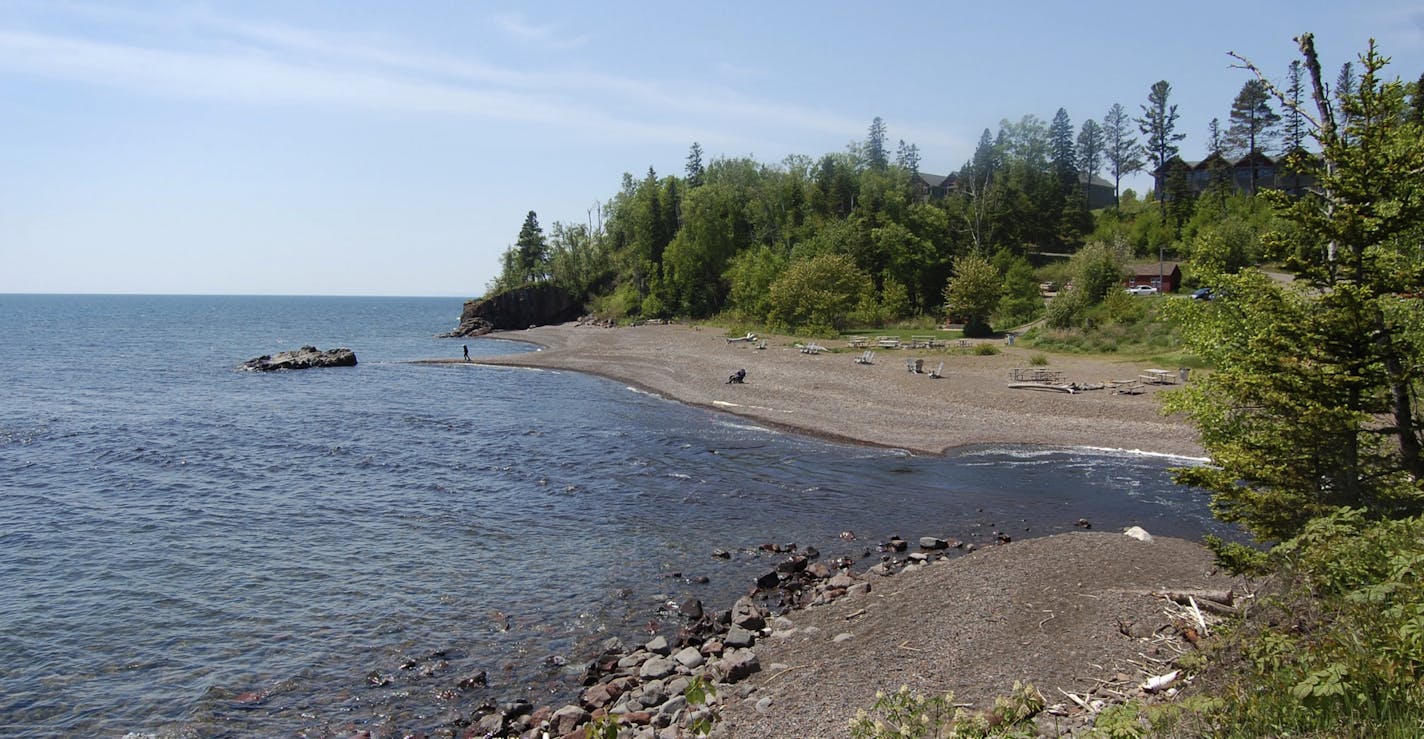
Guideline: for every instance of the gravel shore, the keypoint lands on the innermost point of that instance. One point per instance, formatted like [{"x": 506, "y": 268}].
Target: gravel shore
[
  {"x": 830, "y": 395},
  {"x": 1073, "y": 612}
]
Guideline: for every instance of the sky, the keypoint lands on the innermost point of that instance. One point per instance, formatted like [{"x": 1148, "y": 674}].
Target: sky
[{"x": 362, "y": 147}]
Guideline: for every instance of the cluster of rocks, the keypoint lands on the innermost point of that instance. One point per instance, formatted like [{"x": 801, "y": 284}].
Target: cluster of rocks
[
  {"x": 643, "y": 689},
  {"x": 303, "y": 358}
]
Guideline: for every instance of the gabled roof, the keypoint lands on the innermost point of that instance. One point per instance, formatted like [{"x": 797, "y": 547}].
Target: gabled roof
[
  {"x": 937, "y": 180},
  {"x": 1093, "y": 181},
  {"x": 1150, "y": 269}
]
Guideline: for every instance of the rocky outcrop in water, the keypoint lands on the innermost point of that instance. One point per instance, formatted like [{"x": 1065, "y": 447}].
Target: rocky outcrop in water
[
  {"x": 303, "y": 358},
  {"x": 534, "y": 305}
]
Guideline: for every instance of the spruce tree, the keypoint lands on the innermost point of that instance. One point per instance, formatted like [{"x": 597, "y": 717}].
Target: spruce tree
[
  {"x": 694, "y": 165},
  {"x": 875, "y": 156},
  {"x": 1061, "y": 150}
]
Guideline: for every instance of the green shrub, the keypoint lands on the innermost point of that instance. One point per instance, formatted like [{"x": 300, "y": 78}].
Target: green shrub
[
  {"x": 1337, "y": 649},
  {"x": 1038, "y": 359},
  {"x": 906, "y": 715},
  {"x": 986, "y": 350}
]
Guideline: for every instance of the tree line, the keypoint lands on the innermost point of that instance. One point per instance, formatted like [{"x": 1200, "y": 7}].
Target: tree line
[{"x": 858, "y": 237}]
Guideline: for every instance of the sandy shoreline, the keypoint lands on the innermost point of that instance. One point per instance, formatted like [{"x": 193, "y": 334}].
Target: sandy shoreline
[{"x": 829, "y": 395}]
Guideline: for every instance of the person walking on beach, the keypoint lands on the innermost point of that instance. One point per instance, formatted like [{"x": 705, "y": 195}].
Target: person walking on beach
[{"x": 467, "y": 352}]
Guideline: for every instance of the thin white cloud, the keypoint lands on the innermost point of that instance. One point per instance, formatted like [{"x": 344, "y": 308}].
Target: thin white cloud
[
  {"x": 202, "y": 55},
  {"x": 516, "y": 26}
]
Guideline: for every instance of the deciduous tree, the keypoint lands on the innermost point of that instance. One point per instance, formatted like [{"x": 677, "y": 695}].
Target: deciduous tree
[{"x": 973, "y": 293}]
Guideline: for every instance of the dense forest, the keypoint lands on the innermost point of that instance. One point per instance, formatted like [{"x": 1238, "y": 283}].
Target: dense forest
[{"x": 863, "y": 237}]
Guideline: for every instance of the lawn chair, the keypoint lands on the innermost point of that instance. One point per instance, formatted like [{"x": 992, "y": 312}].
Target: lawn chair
[
  {"x": 937, "y": 372},
  {"x": 866, "y": 357}
]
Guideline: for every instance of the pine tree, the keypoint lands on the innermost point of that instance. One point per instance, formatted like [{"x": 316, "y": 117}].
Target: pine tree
[
  {"x": 1253, "y": 124},
  {"x": 1120, "y": 148},
  {"x": 1313, "y": 404},
  {"x": 875, "y": 156},
  {"x": 531, "y": 252},
  {"x": 694, "y": 165},
  {"x": 1158, "y": 123},
  {"x": 1091, "y": 144},
  {"x": 1061, "y": 150}
]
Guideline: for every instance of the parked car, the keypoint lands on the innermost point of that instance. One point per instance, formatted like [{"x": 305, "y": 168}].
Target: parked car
[
  {"x": 1142, "y": 290},
  {"x": 1203, "y": 294}
]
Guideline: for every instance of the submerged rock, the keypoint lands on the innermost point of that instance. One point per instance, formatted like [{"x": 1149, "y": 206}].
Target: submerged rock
[{"x": 303, "y": 358}]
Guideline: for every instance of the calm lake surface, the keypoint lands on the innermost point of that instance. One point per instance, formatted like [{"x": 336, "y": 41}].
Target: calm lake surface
[{"x": 191, "y": 550}]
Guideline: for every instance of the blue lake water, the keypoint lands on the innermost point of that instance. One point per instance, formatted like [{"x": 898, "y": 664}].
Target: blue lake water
[{"x": 191, "y": 550}]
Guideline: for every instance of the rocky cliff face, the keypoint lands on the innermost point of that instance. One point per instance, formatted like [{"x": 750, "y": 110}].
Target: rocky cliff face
[{"x": 535, "y": 305}]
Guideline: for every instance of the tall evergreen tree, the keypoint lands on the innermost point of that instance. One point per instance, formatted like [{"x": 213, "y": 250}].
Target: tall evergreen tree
[
  {"x": 1061, "y": 150},
  {"x": 694, "y": 165},
  {"x": 1293, "y": 123},
  {"x": 531, "y": 251},
  {"x": 1253, "y": 124},
  {"x": 1120, "y": 148},
  {"x": 1158, "y": 123},
  {"x": 1416, "y": 101},
  {"x": 1313, "y": 404},
  {"x": 875, "y": 154},
  {"x": 1091, "y": 144}
]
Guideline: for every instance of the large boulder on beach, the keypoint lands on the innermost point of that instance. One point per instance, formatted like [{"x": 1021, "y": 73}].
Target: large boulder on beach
[
  {"x": 303, "y": 358},
  {"x": 520, "y": 308}
]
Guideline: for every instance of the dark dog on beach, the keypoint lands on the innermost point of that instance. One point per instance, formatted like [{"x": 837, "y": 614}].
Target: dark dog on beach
[{"x": 737, "y": 377}]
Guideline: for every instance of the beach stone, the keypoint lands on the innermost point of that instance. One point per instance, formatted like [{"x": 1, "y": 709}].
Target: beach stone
[
  {"x": 721, "y": 554},
  {"x": 843, "y": 636},
  {"x": 657, "y": 667},
  {"x": 491, "y": 724},
  {"x": 712, "y": 648},
  {"x": 769, "y": 580},
  {"x": 763, "y": 705},
  {"x": 782, "y": 622},
  {"x": 638, "y": 718},
  {"x": 677, "y": 686},
  {"x": 692, "y": 608},
  {"x": 738, "y": 637},
  {"x": 633, "y": 660},
  {"x": 567, "y": 719},
  {"x": 739, "y": 665},
  {"x": 658, "y": 645},
  {"x": 859, "y": 588},
  {"x": 653, "y": 695},
  {"x": 472, "y": 681},
  {"x": 748, "y": 614},
  {"x": 673, "y": 705},
  {"x": 931, "y": 542},
  {"x": 841, "y": 580},
  {"x": 792, "y": 564},
  {"x": 689, "y": 657},
  {"x": 897, "y": 544},
  {"x": 306, "y": 357},
  {"x": 1138, "y": 533},
  {"x": 819, "y": 570},
  {"x": 600, "y": 695}
]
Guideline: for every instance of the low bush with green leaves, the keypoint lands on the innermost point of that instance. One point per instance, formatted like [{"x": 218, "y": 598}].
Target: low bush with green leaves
[{"x": 907, "y": 715}]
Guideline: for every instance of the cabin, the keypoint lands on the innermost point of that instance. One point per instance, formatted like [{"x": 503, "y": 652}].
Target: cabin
[
  {"x": 934, "y": 186},
  {"x": 1165, "y": 276}
]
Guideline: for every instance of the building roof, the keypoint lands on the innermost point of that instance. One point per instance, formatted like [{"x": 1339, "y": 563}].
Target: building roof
[{"x": 1150, "y": 269}]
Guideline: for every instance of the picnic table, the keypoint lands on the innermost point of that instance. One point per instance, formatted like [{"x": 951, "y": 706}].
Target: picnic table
[{"x": 1158, "y": 377}]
